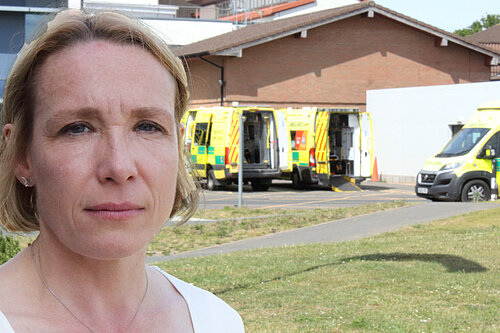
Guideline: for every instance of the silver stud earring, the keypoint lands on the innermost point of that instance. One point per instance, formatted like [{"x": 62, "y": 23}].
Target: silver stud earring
[{"x": 26, "y": 181}]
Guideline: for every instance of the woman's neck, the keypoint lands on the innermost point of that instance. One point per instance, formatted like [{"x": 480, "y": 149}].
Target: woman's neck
[{"x": 101, "y": 292}]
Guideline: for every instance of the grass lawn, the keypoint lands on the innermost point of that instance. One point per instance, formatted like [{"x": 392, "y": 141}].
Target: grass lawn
[
  {"x": 240, "y": 223},
  {"x": 442, "y": 276}
]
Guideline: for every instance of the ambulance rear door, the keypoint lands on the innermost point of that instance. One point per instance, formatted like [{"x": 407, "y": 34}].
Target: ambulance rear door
[
  {"x": 322, "y": 149},
  {"x": 201, "y": 141},
  {"x": 366, "y": 144},
  {"x": 233, "y": 145},
  {"x": 283, "y": 141}
]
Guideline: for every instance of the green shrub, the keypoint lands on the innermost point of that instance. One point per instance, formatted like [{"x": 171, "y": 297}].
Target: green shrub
[{"x": 9, "y": 247}]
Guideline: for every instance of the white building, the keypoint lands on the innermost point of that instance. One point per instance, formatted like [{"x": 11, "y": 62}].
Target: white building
[{"x": 412, "y": 124}]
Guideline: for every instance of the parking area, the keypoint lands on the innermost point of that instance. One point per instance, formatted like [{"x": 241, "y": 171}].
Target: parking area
[{"x": 282, "y": 195}]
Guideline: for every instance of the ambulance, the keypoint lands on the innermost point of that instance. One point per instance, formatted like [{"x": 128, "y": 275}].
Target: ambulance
[
  {"x": 329, "y": 146},
  {"x": 212, "y": 139},
  {"x": 463, "y": 170}
]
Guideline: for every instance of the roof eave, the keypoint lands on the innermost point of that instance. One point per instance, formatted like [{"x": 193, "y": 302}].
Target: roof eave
[
  {"x": 287, "y": 33},
  {"x": 195, "y": 55}
]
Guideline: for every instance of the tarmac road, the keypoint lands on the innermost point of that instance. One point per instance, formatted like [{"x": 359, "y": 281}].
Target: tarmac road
[{"x": 282, "y": 195}]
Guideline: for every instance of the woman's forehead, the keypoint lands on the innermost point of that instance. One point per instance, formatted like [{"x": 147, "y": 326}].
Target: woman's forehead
[
  {"x": 102, "y": 72},
  {"x": 97, "y": 55}
]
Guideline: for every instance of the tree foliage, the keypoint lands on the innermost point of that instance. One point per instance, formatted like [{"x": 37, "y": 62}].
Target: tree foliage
[
  {"x": 9, "y": 247},
  {"x": 479, "y": 25}
]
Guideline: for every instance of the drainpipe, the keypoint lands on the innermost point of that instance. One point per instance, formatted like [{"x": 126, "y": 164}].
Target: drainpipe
[{"x": 221, "y": 81}]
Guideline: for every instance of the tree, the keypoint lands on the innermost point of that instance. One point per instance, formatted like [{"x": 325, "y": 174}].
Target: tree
[
  {"x": 479, "y": 25},
  {"x": 9, "y": 247}
]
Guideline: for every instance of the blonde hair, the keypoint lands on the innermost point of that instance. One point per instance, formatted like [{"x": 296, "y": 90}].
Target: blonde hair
[{"x": 18, "y": 207}]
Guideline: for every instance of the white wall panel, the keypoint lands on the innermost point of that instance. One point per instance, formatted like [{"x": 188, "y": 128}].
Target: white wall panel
[{"x": 411, "y": 124}]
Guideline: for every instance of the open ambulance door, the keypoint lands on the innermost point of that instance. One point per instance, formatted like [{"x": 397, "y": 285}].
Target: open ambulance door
[
  {"x": 366, "y": 144},
  {"x": 233, "y": 147},
  {"x": 201, "y": 141},
  {"x": 283, "y": 141},
  {"x": 271, "y": 140},
  {"x": 352, "y": 145},
  {"x": 188, "y": 130},
  {"x": 322, "y": 149}
]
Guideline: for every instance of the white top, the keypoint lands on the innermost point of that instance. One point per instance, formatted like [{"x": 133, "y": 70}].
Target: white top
[{"x": 209, "y": 313}]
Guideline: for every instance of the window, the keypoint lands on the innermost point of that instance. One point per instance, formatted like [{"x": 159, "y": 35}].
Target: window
[
  {"x": 298, "y": 140},
  {"x": 31, "y": 23},
  {"x": 463, "y": 142},
  {"x": 200, "y": 134},
  {"x": 494, "y": 142}
]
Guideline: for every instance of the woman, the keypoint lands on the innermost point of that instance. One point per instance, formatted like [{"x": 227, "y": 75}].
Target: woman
[{"x": 92, "y": 158}]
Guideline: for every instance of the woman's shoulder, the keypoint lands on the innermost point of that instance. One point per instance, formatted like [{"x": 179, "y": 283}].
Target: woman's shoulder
[
  {"x": 206, "y": 309},
  {"x": 15, "y": 293},
  {"x": 14, "y": 281}
]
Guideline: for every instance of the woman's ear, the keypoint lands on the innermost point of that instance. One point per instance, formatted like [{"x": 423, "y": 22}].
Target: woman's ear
[
  {"x": 7, "y": 131},
  {"x": 22, "y": 168}
]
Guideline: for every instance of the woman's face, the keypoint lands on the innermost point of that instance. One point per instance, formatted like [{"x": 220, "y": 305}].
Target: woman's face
[{"x": 104, "y": 151}]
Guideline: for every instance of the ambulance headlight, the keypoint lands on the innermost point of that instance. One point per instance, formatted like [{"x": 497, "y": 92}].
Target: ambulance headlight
[{"x": 451, "y": 166}]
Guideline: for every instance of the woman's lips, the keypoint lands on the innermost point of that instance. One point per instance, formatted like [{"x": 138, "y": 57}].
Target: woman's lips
[{"x": 115, "y": 211}]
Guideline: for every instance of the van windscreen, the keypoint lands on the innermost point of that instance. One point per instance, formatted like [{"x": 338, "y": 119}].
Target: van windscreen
[{"x": 463, "y": 142}]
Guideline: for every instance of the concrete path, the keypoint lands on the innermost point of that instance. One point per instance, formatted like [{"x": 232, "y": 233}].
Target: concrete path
[{"x": 345, "y": 229}]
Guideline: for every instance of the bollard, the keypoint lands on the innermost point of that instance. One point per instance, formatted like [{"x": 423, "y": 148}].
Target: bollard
[
  {"x": 493, "y": 182},
  {"x": 494, "y": 188}
]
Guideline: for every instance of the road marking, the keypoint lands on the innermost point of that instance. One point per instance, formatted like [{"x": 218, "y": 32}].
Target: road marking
[{"x": 311, "y": 202}]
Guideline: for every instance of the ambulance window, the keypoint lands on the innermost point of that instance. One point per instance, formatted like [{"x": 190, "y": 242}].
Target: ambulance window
[
  {"x": 298, "y": 140},
  {"x": 494, "y": 142},
  {"x": 463, "y": 142},
  {"x": 200, "y": 134}
]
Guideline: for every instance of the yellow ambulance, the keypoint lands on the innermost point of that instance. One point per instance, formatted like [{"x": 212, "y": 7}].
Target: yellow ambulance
[
  {"x": 212, "y": 138},
  {"x": 329, "y": 146},
  {"x": 464, "y": 168}
]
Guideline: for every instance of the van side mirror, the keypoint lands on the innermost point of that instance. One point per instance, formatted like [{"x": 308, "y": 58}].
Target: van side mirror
[{"x": 487, "y": 153}]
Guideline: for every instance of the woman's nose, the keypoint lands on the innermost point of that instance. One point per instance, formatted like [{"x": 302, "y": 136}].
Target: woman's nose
[{"x": 117, "y": 162}]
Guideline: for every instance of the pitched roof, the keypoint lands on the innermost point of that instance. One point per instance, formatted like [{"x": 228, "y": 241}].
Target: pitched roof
[
  {"x": 488, "y": 36},
  {"x": 232, "y": 43}
]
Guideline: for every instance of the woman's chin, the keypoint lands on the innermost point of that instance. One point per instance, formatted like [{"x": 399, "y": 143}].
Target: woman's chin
[{"x": 112, "y": 248}]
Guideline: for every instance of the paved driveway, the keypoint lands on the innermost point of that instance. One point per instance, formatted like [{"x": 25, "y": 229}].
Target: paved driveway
[{"x": 282, "y": 195}]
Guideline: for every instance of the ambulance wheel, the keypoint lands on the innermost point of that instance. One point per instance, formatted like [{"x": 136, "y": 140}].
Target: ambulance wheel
[
  {"x": 211, "y": 181},
  {"x": 475, "y": 190},
  {"x": 296, "y": 182}
]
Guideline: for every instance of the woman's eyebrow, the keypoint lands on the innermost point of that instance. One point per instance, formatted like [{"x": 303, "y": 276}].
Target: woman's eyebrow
[
  {"x": 153, "y": 113},
  {"x": 54, "y": 122}
]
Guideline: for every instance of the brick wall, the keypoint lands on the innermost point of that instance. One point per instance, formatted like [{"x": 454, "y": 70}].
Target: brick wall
[
  {"x": 495, "y": 70},
  {"x": 335, "y": 65}
]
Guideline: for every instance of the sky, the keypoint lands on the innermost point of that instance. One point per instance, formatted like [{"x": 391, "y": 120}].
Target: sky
[{"x": 448, "y": 15}]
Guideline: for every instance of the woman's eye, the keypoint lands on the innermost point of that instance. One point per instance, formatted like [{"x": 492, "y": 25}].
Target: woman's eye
[
  {"x": 148, "y": 127},
  {"x": 75, "y": 129}
]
